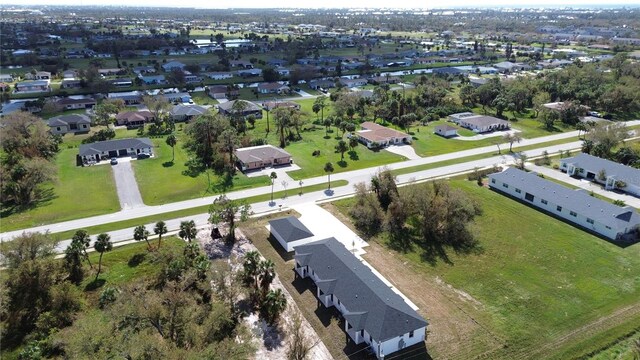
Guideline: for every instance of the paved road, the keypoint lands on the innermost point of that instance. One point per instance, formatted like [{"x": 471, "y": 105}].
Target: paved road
[
  {"x": 355, "y": 176},
  {"x": 126, "y": 185}
]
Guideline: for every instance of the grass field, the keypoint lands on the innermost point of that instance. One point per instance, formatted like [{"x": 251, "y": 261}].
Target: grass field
[
  {"x": 126, "y": 263},
  {"x": 537, "y": 287},
  {"x": 78, "y": 192},
  {"x": 160, "y": 181}
]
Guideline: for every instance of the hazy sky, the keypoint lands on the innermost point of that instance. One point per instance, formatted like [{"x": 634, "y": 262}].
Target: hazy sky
[{"x": 330, "y": 3}]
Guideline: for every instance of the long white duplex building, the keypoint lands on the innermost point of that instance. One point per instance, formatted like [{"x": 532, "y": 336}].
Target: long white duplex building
[
  {"x": 611, "y": 174},
  {"x": 576, "y": 206},
  {"x": 373, "y": 312}
]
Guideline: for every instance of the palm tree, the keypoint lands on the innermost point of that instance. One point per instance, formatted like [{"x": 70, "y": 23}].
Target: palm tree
[
  {"x": 342, "y": 148},
  {"x": 103, "y": 244},
  {"x": 250, "y": 267},
  {"x": 141, "y": 233},
  {"x": 188, "y": 230},
  {"x": 321, "y": 104},
  {"x": 228, "y": 142},
  {"x": 353, "y": 142},
  {"x": 82, "y": 241},
  {"x": 171, "y": 141},
  {"x": 266, "y": 274},
  {"x": 328, "y": 168},
  {"x": 275, "y": 302},
  {"x": 160, "y": 229},
  {"x": 581, "y": 126},
  {"x": 273, "y": 178}
]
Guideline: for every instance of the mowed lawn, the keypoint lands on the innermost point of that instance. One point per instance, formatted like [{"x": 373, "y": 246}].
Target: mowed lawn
[
  {"x": 161, "y": 181},
  {"x": 79, "y": 192},
  {"x": 537, "y": 279}
]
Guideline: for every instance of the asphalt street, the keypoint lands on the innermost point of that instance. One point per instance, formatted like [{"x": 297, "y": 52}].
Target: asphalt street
[{"x": 353, "y": 177}]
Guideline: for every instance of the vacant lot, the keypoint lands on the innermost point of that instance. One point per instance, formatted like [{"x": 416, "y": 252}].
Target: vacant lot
[
  {"x": 79, "y": 192},
  {"x": 536, "y": 287},
  {"x": 162, "y": 181}
]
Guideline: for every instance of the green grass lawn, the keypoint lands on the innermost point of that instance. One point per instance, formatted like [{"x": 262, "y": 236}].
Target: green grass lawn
[
  {"x": 201, "y": 98},
  {"x": 79, "y": 192},
  {"x": 126, "y": 263},
  {"x": 537, "y": 278},
  {"x": 162, "y": 182}
]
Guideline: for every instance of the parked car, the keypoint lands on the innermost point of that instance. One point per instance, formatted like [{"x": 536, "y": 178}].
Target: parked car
[
  {"x": 595, "y": 114},
  {"x": 114, "y": 161},
  {"x": 143, "y": 156}
]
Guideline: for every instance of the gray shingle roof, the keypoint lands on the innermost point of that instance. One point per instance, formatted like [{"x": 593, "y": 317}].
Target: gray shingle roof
[
  {"x": 228, "y": 106},
  {"x": 577, "y": 200},
  {"x": 372, "y": 305},
  {"x": 64, "y": 120},
  {"x": 188, "y": 110},
  {"x": 290, "y": 229},
  {"x": 114, "y": 145},
  {"x": 621, "y": 172}
]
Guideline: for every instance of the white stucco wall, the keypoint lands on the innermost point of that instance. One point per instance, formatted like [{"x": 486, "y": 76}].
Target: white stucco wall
[{"x": 552, "y": 207}]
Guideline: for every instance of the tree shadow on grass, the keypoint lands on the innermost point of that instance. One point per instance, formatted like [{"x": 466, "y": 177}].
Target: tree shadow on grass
[
  {"x": 224, "y": 183},
  {"x": 136, "y": 260},
  {"x": 342, "y": 163},
  {"x": 167, "y": 164},
  {"x": 353, "y": 155},
  {"x": 95, "y": 284},
  {"x": 44, "y": 197}
]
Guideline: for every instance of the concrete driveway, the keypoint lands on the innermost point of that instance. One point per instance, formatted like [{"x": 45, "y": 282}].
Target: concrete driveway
[
  {"x": 324, "y": 225},
  {"x": 128, "y": 192},
  {"x": 405, "y": 150}
]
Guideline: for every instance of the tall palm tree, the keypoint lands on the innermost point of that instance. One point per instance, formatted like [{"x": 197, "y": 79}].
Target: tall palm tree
[
  {"x": 353, "y": 142},
  {"x": 229, "y": 142},
  {"x": 103, "y": 244},
  {"x": 328, "y": 168},
  {"x": 273, "y": 178},
  {"x": 160, "y": 229},
  {"x": 342, "y": 148},
  {"x": 171, "y": 141},
  {"x": 188, "y": 230},
  {"x": 82, "y": 240},
  {"x": 141, "y": 233}
]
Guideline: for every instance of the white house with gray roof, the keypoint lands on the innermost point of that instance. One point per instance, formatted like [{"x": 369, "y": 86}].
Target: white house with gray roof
[
  {"x": 74, "y": 123},
  {"x": 479, "y": 123},
  {"x": 290, "y": 232},
  {"x": 104, "y": 150},
  {"x": 373, "y": 313},
  {"x": 611, "y": 174},
  {"x": 575, "y": 206}
]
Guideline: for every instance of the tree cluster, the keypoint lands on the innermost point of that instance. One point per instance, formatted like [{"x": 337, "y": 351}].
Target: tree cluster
[
  {"x": 429, "y": 215},
  {"x": 27, "y": 162}
]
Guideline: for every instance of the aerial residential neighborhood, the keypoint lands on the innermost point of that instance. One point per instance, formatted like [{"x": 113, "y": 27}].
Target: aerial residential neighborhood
[{"x": 278, "y": 181}]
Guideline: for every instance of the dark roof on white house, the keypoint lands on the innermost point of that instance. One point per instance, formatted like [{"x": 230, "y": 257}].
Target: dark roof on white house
[
  {"x": 114, "y": 145},
  {"x": 577, "y": 200},
  {"x": 621, "y": 172},
  {"x": 372, "y": 305},
  {"x": 290, "y": 229},
  {"x": 65, "y": 120}
]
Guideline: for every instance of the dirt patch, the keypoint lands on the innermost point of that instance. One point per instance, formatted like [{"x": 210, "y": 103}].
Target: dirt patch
[
  {"x": 454, "y": 330},
  {"x": 455, "y": 327}
]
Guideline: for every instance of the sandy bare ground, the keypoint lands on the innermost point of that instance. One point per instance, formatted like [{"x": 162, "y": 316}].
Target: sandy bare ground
[{"x": 271, "y": 341}]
